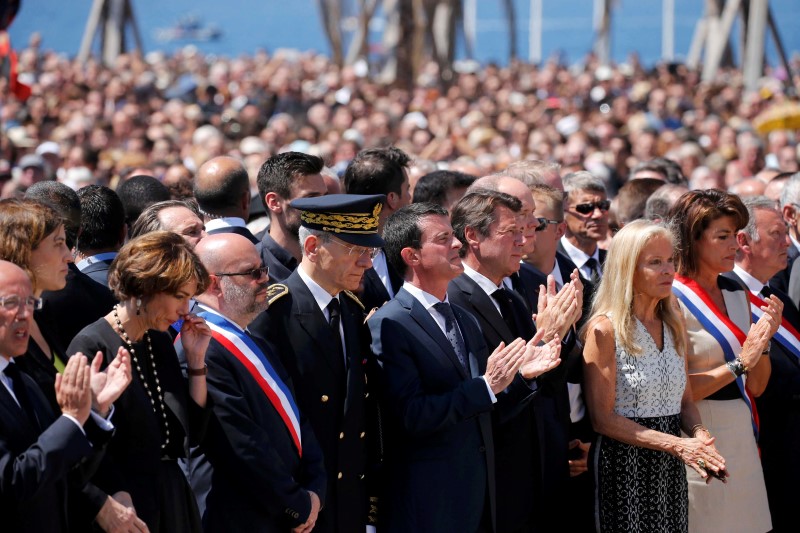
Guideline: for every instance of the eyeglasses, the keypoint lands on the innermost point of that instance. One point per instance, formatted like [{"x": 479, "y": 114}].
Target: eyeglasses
[
  {"x": 12, "y": 303},
  {"x": 543, "y": 222},
  {"x": 588, "y": 208},
  {"x": 357, "y": 250},
  {"x": 255, "y": 274}
]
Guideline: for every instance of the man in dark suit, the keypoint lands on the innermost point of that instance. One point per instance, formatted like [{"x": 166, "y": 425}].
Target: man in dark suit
[
  {"x": 268, "y": 471},
  {"x": 790, "y": 209},
  {"x": 762, "y": 252},
  {"x": 317, "y": 326},
  {"x": 491, "y": 252},
  {"x": 380, "y": 171},
  {"x": 586, "y": 214},
  {"x": 38, "y": 448},
  {"x": 222, "y": 191},
  {"x": 281, "y": 179},
  {"x": 439, "y": 385},
  {"x": 102, "y": 231}
]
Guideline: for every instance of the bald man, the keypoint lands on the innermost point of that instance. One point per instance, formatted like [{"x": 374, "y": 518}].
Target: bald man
[
  {"x": 268, "y": 467},
  {"x": 222, "y": 190}
]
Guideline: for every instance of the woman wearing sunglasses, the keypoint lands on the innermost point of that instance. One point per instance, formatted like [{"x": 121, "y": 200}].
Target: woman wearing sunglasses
[{"x": 162, "y": 413}]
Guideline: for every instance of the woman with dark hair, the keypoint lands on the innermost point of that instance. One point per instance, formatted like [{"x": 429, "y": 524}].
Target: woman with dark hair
[
  {"x": 726, "y": 359},
  {"x": 637, "y": 392},
  {"x": 32, "y": 237},
  {"x": 160, "y": 415}
]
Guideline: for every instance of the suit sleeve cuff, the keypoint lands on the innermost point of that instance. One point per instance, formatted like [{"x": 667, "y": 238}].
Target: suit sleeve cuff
[
  {"x": 75, "y": 421},
  {"x": 489, "y": 389}
]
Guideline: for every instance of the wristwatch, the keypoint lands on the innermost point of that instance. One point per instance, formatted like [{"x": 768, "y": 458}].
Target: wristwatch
[{"x": 736, "y": 367}]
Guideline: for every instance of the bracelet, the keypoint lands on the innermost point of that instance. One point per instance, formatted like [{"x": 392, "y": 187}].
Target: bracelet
[
  {"x": 765, "y": 352},
  {"x": 698, "y": 427},
  {"x": 736, "y": 367},
  {"x": 198, "y": 371}
]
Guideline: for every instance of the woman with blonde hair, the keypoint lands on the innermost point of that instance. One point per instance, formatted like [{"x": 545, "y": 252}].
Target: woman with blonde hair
[{"x": 637, "y": 391}]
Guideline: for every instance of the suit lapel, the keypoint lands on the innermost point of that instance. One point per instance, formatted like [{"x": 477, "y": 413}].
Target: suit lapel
[
  {"x": 375, "y": 284},
  {"x": 427, "y": 323},
  {"x": 483, "y": 305},
  {"x": 18, "y": 416}
]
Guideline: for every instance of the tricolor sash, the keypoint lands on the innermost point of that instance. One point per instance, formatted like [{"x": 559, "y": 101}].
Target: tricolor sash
[
  {"x": 787, "y": 336},
  {"x": 248, "y": 353},
  {"x": 729, "y": 336}
]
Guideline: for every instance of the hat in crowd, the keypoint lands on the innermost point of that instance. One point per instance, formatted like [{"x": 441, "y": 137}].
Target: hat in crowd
[
  {"x": 48, "y": 147},
  {"x": 353, "y": 218},
  {"x": 31, "y": 160},
  {"x": 18, "y": 135}
]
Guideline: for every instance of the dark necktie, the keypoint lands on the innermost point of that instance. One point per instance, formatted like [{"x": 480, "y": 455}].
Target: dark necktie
[
  {"x": 15, "y": 375},
  {"x": 503, "y": 300},
  {"x": 594, "y": 270},
  {"x": 765, "y": 292},
  {"x": 335, "y": 317},
  {"x": 452, "y": 332}
]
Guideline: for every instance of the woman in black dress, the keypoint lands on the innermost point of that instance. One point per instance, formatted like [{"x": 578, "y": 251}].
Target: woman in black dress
[
  {"x": 32, "y": 237},
  {"x": 160, "y": 415}
]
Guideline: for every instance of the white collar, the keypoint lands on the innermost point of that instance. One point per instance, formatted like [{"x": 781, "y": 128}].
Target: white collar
[
  {"x": 482, "y": 281},
  {"x": 321, "y": 296},
  {"x": 752, "y": 283},
  {"x": 578, "y": 256},
  {"x": 225, "y": 222},
  {"x": 427, "y": 299}
]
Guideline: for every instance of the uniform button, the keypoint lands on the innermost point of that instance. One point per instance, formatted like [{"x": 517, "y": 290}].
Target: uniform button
[
  {"x": 324, "y": 398},
  {"x": 339, "y": 476},
  {"x": 366, "y": 395},
  {"x": 341, "y": 435},
  {"x": 362, "y": 434},
  {"x": 361, "y": 476}
]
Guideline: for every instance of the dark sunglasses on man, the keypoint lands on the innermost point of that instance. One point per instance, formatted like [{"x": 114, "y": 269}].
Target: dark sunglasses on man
[
  {"x": 543, "y": 222},
  {"x": 588, "y": 208}
]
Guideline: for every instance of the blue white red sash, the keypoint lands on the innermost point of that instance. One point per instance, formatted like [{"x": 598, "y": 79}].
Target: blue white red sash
[
  {"x": 729, "y": 336},
  {"x": 786, "y": 335},
  {"x": 247, "y": 352}
]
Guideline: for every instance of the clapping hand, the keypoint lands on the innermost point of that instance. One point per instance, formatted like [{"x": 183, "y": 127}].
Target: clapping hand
[
  {"x": 557, "y": 312},
  {"x": 540, "y": 359},
  {"x": 73, "y": 393},
  {"x": 109, "y": 384},
  {"x": 503, "y": 365},
  {"x": 761, "y": 332}
]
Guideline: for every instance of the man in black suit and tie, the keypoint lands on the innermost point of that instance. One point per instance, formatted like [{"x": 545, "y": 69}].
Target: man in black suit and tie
[
  {"x": 222, "y": 191},
  {"x": 102, "y": 231},
  {"x": 380, "y": 171},
  {"x": 268, "y": 472},
  {"x": 531, "y": 448},
  {"x": 786, "y": 280},
  {"x": 317, "y": 326},
  {"x": 586, "y": 214},
  {"x": 39, "y": 450},
  {"x": 283, "y": 178},
  {"x": 439, "y": 385},
  {"x": 762, "y": 252}
]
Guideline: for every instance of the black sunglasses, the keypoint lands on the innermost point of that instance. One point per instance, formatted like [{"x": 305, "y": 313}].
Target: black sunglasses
[
  {"x": 256, "y": 274},
  {"x": 585, "y": 209},
  {"x": 543, "y": 222}
]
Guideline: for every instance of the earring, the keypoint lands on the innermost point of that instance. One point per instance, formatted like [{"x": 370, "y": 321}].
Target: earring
[{"x": 138, "y": 306}]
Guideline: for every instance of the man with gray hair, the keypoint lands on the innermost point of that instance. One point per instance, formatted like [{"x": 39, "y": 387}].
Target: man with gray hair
[
  {"x": 586, "y": 207},
  {"x": 222, "y": 190},
  {"x": 535, "y": 172},
  {"x": 762, "y": 253},
  {"x": 790, "y": 209},
  {"x": 317, "y": 325}
]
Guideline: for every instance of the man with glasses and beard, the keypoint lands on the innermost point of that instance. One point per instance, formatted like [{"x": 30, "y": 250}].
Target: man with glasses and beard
[
  {"x": 282, "y": 179},
  {"x": 317, "y": 325},
  {"x": 268, "y": 468},
  {"x": 586, "y": 214}
]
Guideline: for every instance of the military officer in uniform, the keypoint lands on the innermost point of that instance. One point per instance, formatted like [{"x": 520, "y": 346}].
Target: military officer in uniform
[{"x": 317, "y": 326}]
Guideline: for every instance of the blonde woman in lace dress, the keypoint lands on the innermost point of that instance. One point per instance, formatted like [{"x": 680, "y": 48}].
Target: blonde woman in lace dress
[{"x": 637, "y": 391}]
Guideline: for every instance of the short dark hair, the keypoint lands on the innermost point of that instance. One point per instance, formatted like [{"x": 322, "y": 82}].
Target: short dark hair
[
  {"x": 376, "y": 171},
  {"x": 137, "y": 192},
  {"x": 158, "y": 262},
  {"x": 402, "y": 231},
  {"x": 278, "y": 172},
  {"x": 632, "y": 198},
  {"x": 476, "y": 210},
  {"x": 693, "y": 213},
  {"x": 102, "y": 218},
  {"x": 62, "y": 199},
  {"x": 433, "y": 187},
  {"x": 666, "y": 167}
]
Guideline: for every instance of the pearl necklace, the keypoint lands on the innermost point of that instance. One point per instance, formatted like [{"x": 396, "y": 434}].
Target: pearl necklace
[{"x": 162, "y": 407}]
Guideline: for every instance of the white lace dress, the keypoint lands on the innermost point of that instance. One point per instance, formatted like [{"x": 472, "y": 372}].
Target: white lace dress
[{"x": 638, "y": 489}]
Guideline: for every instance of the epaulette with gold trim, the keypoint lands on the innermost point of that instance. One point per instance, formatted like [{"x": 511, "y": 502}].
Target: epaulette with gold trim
[
  {"x": 355, "y": 298},
  {"x": 276, "y": 291}
]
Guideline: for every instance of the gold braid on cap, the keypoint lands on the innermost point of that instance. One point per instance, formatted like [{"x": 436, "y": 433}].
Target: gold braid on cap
[{"x": 344, "y": 223}]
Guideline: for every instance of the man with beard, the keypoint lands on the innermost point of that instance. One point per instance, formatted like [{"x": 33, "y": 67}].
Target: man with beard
[
  {"x": 586, "y": 214},
  {"x": 283, "y": 178},
  {"x": 268, "y": 468},
  {"x": 317, "y": 325}
]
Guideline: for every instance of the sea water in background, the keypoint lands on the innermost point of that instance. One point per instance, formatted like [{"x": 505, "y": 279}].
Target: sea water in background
[{"x": 246, "y": 25}]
